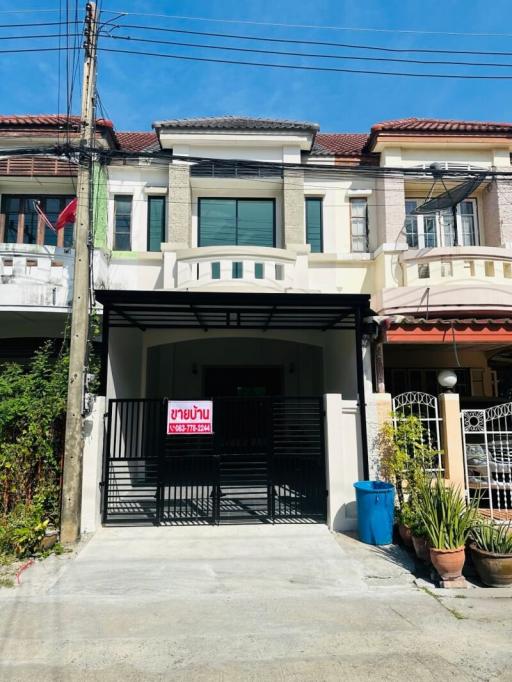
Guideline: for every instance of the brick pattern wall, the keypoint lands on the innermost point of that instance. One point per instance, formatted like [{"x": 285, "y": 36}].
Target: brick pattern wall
[
  {"x": 293, "y": 207},
  {"x": 179, "y": 211},
  {"x": 390, "y": 200}
]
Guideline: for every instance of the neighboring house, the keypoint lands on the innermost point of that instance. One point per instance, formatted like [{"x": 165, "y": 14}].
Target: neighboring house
[
  {"x": 259, "y": 263},
  {"x": 36, "y": 263}
]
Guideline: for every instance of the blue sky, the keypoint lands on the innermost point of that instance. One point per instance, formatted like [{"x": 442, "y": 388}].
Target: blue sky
[{"x": 137, "y": 90}]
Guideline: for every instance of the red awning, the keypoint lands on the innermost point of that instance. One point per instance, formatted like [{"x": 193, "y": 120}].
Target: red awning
[{"x": 439, "y": 330}]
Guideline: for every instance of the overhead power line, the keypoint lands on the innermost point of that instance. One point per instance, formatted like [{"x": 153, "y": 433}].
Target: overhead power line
[
  {"x": 310, "y": 26},
  {"x": 35, "y": 23},
  {"x": 40, "y": 35},
  {"x": 28, "y": 11},
  {"x": 299, "y": 67},
  {"x": 315, "y": 55},
  {"x": 302, "y": 41},
  {"x": 34, "y": 49}
]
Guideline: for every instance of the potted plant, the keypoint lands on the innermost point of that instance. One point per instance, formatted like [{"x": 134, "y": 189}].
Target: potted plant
[
  {"x": 448, "y": 521},
  {"x": 405, "y": 519},
  {"x": 491, "y": 551},
  {"x": 420, "y": 539},
  {"x": 406, "y": 461}
]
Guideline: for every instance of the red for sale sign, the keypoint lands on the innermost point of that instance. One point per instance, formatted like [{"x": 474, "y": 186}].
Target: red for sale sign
[{"x": 189, "y": 417}]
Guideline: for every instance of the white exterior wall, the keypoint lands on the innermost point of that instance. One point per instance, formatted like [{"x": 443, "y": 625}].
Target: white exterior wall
[
  {"x": 125, "y": 358},
  {"x": 343, "y": 460},
  {"x": 92, "y": 467}
]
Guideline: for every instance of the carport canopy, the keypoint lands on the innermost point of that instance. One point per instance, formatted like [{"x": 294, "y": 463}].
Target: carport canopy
[
  {"x": 240, "y": 311},
  {"x": 232, "y": 310}
]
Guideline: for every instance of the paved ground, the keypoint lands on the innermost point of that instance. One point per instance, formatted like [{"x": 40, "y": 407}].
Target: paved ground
[{"x": 251, "y": 603}]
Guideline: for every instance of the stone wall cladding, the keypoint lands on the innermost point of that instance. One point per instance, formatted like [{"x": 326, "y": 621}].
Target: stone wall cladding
[
  {"x": 390, "y": 202},
  {"x": 497, "y": 213},
  {"x": 179, "y": 209},
  {"x": 505, "y": 210},
  {"x": 293, "y": 207},
  {"x": 491, "y": 233}
]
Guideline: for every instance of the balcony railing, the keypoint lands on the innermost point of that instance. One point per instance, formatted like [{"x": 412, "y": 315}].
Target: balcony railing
[
  {"x": 463, "y": 264},
  {"x": 35, "y": 276},
  {"x": 232, "y": 266}
]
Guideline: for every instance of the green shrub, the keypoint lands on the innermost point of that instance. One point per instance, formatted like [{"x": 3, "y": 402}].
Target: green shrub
[
  {"x": 492, "y": 537},
  {"x": 32, "y": 414},
  {"x": 22, "y": 531},
  {"x": 447, "y": 518},
  {"x": 406, "y": 460}
]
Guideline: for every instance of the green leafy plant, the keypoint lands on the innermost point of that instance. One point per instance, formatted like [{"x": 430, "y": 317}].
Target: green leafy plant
[
  {"x": 407, "y": 461},
  {"x": 492, "y": 537},
  {"x": 32, "y": 414},
  {"x": 447, "y": 518},
  {"x": 22, "y": 531}
]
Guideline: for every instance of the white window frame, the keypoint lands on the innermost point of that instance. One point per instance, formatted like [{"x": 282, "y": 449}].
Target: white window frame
[
  {"x": 355, "y": 238},
  {"x": 422, "y": 222}
]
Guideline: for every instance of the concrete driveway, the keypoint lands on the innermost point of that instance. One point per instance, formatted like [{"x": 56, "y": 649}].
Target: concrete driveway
[{"x": 290, "y": 602}]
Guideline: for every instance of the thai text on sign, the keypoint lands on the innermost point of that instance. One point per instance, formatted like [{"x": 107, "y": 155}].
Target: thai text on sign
[{"x": 189, "y": 416}]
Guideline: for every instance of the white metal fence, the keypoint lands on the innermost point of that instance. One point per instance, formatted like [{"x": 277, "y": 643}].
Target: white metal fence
[
  {"x": 487, "y": 440},
  {"x": 425, "y": 407}
]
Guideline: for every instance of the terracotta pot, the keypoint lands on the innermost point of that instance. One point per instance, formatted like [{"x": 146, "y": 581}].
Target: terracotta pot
[
  {"x": 448, "y": 562},
  {"x": 494, "y": 570},
  {"x": 406, "y": 534},
  {"x": 422, "y": 548}
]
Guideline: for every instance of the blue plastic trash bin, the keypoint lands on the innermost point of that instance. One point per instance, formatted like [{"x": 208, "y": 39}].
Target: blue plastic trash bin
[{"x": 375, "y": 511}]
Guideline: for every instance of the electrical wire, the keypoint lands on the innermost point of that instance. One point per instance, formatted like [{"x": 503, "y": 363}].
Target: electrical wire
[
  {"x": 36, "y": 23},
  {"x": 33, "y": 49},
  {"x": 41, "y": 35},
  {"x": 310, "y": 26},
  {"x": 316, "y": 69},
  {"x": 302, "y": 41},
  {"x": 316, "y": 55}
]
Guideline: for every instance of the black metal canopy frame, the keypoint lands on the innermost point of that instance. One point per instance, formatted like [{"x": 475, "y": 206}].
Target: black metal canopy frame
[{"x": 238, "y": 311}]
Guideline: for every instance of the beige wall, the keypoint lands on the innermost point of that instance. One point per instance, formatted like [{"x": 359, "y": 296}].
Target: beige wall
[
  {"x": 177, "y": 369},
  {"x": 438, "y": 357}
]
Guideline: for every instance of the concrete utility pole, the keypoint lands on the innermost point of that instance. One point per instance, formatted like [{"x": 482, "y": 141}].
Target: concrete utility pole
[{"x": 73, "y": 448}]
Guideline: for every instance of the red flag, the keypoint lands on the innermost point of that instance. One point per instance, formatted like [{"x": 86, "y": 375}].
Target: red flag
[{"x": 67, "y": 215}]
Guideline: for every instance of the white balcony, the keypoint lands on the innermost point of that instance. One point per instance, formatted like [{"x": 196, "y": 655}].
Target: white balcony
[
  {"x": 472, "y": 278},
  {"x": 35, "y": 277},
  {"x": 464, "y": 264},
  {"x": 230, "y": 267}
]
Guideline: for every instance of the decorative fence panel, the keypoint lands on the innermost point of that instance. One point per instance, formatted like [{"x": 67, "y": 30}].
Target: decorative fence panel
[
  {"x": 487, "y": 440},
  {"x": 425, "y": 407}
]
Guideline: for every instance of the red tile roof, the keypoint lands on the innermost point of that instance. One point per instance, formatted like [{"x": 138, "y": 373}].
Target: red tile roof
[
  {"x": 441, "y": 125},
  {"x": 137, "y": 141},
  {"x": 52, "y": 120},
  {"x": 340, "y": 144}
]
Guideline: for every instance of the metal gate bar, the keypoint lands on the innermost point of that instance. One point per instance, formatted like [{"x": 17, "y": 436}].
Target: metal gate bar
[
  {"x": 265, "y": 463},
  {"x": 487, "y": 441}
]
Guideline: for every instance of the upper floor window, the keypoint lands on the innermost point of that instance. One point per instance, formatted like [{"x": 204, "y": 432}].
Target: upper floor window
[
  {"x": 314, "y": 230},
  {"x": 23, "y": 225},
  {"x": 226, "y": 222},
  {"x": 156, "y": 222},
  {"x": 122, "y": 222},
  {"x": 427, "y": 231},
  {"x": 359, "y": 224}
]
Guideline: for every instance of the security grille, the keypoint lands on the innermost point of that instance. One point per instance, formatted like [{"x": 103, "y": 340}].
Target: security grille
[
  {"x": 487, "y": 440},
  {"x": 264, "y": 463},
  {"x": 425, "y": 407}
]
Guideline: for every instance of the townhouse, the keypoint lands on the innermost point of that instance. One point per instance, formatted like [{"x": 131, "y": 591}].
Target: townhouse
[{"x": 280, "y": 272}]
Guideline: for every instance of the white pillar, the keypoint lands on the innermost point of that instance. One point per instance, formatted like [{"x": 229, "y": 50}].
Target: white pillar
[
  {"x": 343, "y": 458},
  {"x": 92, "y": 468}
]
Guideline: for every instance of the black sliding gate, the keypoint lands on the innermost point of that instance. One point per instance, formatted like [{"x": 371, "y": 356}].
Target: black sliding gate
[{"x": 264, "y": 463}]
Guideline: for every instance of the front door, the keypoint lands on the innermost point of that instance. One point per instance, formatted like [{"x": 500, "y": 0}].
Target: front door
[{"x": 242, "y": 381}]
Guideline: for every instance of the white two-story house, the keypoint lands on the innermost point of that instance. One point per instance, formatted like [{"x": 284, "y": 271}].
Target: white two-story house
[{"x": 282, "y": 273}]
